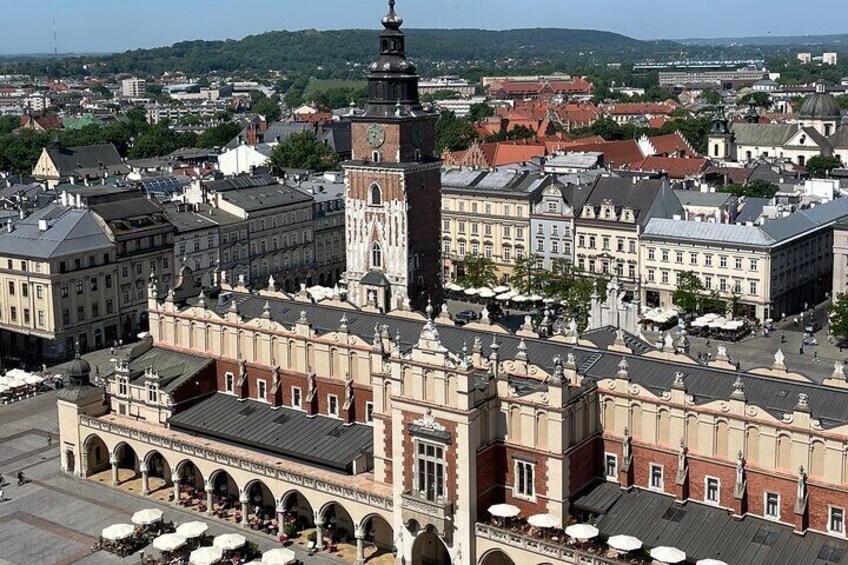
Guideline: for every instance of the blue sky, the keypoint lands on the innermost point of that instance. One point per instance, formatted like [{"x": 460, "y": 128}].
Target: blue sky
[{"x": 117, "y": 25}]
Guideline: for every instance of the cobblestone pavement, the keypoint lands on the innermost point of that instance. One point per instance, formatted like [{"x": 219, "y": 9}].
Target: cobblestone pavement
[{"x": 56, "y": 518}]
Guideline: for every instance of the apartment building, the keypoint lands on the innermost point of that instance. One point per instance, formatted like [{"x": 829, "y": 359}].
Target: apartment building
[{"x": 770, "y": 270}]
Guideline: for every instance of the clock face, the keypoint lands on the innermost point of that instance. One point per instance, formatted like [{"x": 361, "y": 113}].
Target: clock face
[
  {"x": 418, "y": 134},
  {"x": 376, "y": 135}
]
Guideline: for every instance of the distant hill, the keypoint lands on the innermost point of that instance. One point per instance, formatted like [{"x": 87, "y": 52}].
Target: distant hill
[
  {"x": 837, "y": 42},
  {"x": 315, "y": 52}
]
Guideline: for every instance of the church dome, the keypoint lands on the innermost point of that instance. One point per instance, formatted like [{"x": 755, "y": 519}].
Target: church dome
[
  {"x": 820, "y": 106},
  {"x": 79, "y": 370}
]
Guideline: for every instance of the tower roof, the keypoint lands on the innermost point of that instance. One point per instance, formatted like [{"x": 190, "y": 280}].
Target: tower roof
[{"x": 821, "y": 105}]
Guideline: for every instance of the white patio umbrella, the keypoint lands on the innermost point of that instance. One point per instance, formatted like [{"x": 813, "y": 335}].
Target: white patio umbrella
[
  {"x": 504, "y": 511},
  {"x": 624, "y": 543},
  {"x": 191, "y": 530},
  {"x": 486, "y": 293},
  {"x": 117, "y": 531},
  {"x": 505, "y": 297},
  {"x": 519, "y": 299},
  {"x": 228, "y": 542},
  {"x": 582, "y": 532},
  {"x": 278, "y": 556},
  {"x": 206, "y": 556},
  {"x": 453, "y": 287},
  {"x": 710, "y": 562},
  {"x": 169, "y": 542},
  {"x": 668, "y": 555},
  {"x": 543, "y": 521},
  {"x": 33, "y": 380},
  {"x": 4, "y": 388},
  {"x": 536, "y": 298},
  {"x": 501, "y": 289},
  {"x": 147, "y": 517},
  {"x": 470, "y": 292}
]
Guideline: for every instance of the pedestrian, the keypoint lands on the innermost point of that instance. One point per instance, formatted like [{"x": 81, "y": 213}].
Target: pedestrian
[
  {"x": 815, "y": 356},
  {"x": 801, "y": 350},
  {"x": 49, "y": 440},
  {"x": 783, "y": 338},
  {"x": 795, "y": 322},
  {"x": 2, "y": 495}
]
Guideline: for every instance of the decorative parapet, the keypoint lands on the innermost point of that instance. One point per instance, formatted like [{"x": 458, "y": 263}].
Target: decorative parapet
[
  {"x": 544, "y": 548},
  {"x": 209, "y": 454},
  {"x": 439, "y": 514}
]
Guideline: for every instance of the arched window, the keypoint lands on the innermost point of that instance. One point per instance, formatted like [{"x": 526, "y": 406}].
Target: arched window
[
  {"x": 376, "y": 256},
  {"x": 375, "y": 195}
]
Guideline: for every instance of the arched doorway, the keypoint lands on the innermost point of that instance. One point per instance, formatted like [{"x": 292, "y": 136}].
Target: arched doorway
[
  {"x": 128, "y": 462},
  {"x": 496, "y": 557},
  {"x": 95, "y": 456},
  {"x": 338, "y": 525},
  {"x": 260, "y": 502},
  {"x": 158, "y": 472},
  {"x": 429, "y": 549},
  {"x": 225, "y": 496},
  {"x": 190, "y": 476},
  {"x": 379, "y": 537},
  {"x": 298, "y": 515}
]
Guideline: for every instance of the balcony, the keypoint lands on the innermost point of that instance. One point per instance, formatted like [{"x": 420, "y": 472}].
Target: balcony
[{"x": 437, "y": 513}]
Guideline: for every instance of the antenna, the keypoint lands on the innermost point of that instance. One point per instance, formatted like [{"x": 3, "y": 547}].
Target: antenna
[{"x": 55, "y": 43}]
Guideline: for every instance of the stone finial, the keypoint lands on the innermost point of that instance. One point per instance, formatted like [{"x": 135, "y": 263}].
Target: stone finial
[
  {"x": 429, "y": 309},
  {"x": 721, "y": 354},
  {"x": 464, "y": 361},
  {"x": 571, "y": 361},
  {"x": 201, "y": 300},
  {"x": 224, "y": 277},
  {"x": 233, "y": 305},
  {"x": 484, "y": 316},
  {"x": 838, "y": 371},
  {"x": 445, "y": 312},
  {"x": 304, "y": 318},
  {"x": 272, "y": 284},
  {"x": 679, "y": 380},
  {"x": 619, "y": 338},
  {"x": 528, "y": 324},
  {"x": 266, "y": 310},
  {"x": 572, "y": 327},
  {"x": 242, "y": 280},
  {"x": 803, "y": 404},
  {"x": 738, "y": 389},
  {"x": 623, "y": 370},
  {"x": 170, "y": 296},
  {"x": 343, "y": 323},
  {"x": 477, "y": 348},
  {"x": 559, "y": 370},
  {"x": 377, "y": 340},
  {"x": 522, "y": 350},
  {"x": 668, "y": 343},
  {"x": 779, "y": 361}
]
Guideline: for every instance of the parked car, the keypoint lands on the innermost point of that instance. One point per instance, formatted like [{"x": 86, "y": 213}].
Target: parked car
[
  {"x": 812, "y": 327},
  {"x": 465, "y": 317}
]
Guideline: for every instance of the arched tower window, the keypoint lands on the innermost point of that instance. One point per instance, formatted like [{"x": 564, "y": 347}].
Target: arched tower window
[
  {"x": 375, "y": 195},
  {"x": 376, "y": 256}
]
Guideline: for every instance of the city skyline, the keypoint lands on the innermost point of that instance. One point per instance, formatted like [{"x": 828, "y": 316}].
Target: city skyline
[{"x": 165, "y": 23}]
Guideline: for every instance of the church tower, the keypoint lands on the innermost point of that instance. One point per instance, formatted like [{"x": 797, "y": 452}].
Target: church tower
[
  {"x": 721, "y": 138},
  {"x": 393, "y": 186}
]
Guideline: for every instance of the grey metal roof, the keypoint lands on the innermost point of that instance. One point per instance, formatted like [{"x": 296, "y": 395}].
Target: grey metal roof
[
  {"x": 263, "y": 197},
  {"x": 698, "y": 198},
  {"x": 193, "y": 217},
  {"x": 763, "y": 135},
  {"x": 839, "y": 140},
  {"x": 752, "y": 209},
  {"x": 69, "y": 231},
  {"x": 647, "y": 198},
  {"x": 775, "y": 395},
  {"x": 92, "y": 158},
  {"x": 503, "y": 181},
  {"x": 659, "y": 228},
  {"x": 705, "y": 532},
  {"x": 292, "y": 434},
  {"x": 173, "y": 367},
  {"x": 806, "y": 220}
]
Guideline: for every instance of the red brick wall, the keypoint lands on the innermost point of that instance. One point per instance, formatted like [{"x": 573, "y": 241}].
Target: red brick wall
[
  {"x": 760, "y": 483},
  {"x": 642, "y": 459},
  {"x": 725, "y": 471},
  {"x": 409, "y": 456},
  {"x": 541, "y": 479},
  {"x": 195, "y": 389},
  {"x": 586, "y": 464},
  {"x": 490, "y": 477}
]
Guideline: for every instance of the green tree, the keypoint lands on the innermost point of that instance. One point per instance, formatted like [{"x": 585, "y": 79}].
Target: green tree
[
  {"x": 821, "y": 165},
  {"x": 711, "y": 97},
  {"x": 479, "y": 272},
  {"x": 755, "y": 189},
  {"x": 688, "y": 294},
  {"x": 268, "y": 107},
  {"x": 454, "y": 134},
  {"x": 20, "y": 151},
  {"x": 839, "y": 316},
  {"x": 302, "y": 151},
  {"x": 758, "y": 99},
  {"x": 156, "y": 141},
  {"x": 8, "y": 124},
  {"x": 525, "y": 274},
  {"x": 480, "y": 112},
  {"x": 842, "y": 101},
  {"x": 218, "y": 136}
]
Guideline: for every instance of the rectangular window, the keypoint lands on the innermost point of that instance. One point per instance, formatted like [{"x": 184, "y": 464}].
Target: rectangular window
[
  {"x": 297, "y": 401},
  {"x": 708, "y": 260},
  {"x": 80, "y": 288},
  {"x": 712, "y": 490},
  {"x": 665, "y": 277},
  {"x": 152, "y": 395},
  {"x": 755, "y": 264},
  {"x": 80, "y": 313},
  {"x": 656, "y": 477},
  {"x": 95, "y": 310},
  {"x": 13, "y": 314},
  {"x": 122, "y": 387},
  {"x": 261, "y": 390},
  {"x": 94, "y": 284},
  {"x": 66, "y": 317},
  {"x": 369, "y": 412},
  {"x": 230, "y": 382},
  {"x": 26, "y": 316},
  {"x": 771, "y": 506},
  {"x": 722, "y": 261},
  {"x": 11, "y": 288},
  {"x": 651, "y": 254},
  {"x": 430, "y": 470},
  {"x": 708, "y": 282},
  {"x": 665, "y": 255},
  {"x": 39, "y": 291},
  {"x": 836, "y": 520},
  {"x": 678, "y": 256},
  {"x": 64, "y": 290},
  {"x": 525, "y": 474},
  {"x": 108, "y": 281},
  {"x": 693, "y": 258},
  {"x": 753, "y": 287},
  {"x": 25, "y": 290},
  {"x": 41, "y": 318},
  {"x": 332, "y": 405},
  {"x": 738, "y": 263},
  {"x": 651, "y": 275},
  {"x": 109, "y": 306},
  {"x": 611, "y": 466}
]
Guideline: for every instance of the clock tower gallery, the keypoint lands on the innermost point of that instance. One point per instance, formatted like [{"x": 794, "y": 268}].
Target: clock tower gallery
[{"x": 393, "y": 186}]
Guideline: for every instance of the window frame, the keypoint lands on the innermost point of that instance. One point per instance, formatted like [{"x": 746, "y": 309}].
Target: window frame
[
  {"x": 614, "y": 457},
  {"x": 651, "y": 468},
  {"x": 707, "y": 500},
  {"x": 830, "y": 512},
  {"x": 766, "y": 515},
  {"x": 520, "y": 484}
]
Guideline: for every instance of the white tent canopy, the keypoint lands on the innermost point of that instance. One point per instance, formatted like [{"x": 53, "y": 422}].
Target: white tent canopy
[
  {"x": 582, "y": 532},
  {"x": 504, "y": 511},
  {"x": 501, "y": 289},
  {"x": 543, "y": 521},
  {"x": 117, "y": 532},
  {"x": 710, "y": 562},
  {"x": 453, "y": 287},
  {"x": 624, "y": 543},
  {"x": 206, "y": 556},
  {"x": 228, "y": 542},
  {"x": 169, "y": 542},
  {"x": 278, "y": 556},
  {"x": 486, "y": 293},
  {"x": 668, "y": 555},
  {"x": 192, "y": 530}
]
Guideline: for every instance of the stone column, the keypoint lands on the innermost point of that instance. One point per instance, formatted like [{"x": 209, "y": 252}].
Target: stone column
[
  {"x": 360, "y": 547},
  {"x": 210, "y": 495},
  {"x": 319, "y": 531},
  {"x": 176, "y": 481},
  {"x": 245, "y": 508},
  {"x": 145, "y": 483},
  {"x": 113, "y": 460}
]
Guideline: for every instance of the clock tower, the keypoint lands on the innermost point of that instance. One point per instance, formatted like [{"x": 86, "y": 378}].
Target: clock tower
[{"x": 393, "y": 186}]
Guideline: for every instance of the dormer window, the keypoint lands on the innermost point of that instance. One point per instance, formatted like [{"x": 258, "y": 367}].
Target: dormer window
[
  {"x": 123, "y": 386},
  {"x": 152, "y": 393}
]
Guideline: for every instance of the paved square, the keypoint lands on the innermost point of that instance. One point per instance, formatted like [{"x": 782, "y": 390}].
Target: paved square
[{"x": 56, "y": 518}]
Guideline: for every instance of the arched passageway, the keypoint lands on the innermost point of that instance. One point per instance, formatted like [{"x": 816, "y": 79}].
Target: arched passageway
[
  {"x": 338, "y": 525},
  {"x": 429, "y": 549},
  {"x": 297, "y": 514},
  {"x": 224, "y": 496},
  {"x": 156, "y": 473},
  {"x": 379, "y": 538},
  {"x": 261, "y": 507},
  {"x": 95, "y": 456},
  {"x": 496, "y": 557}
]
